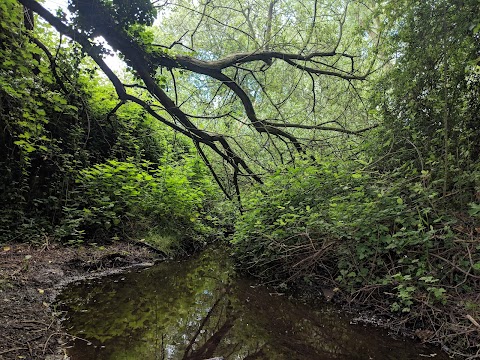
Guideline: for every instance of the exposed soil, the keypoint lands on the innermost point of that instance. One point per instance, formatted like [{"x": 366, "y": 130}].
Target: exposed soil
[{"x": 30, "y": 278}]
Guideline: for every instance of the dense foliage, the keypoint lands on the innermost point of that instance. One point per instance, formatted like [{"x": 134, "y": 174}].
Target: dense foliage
[
  {"x": 395, "y": 227},
  {"x": 70, "y": 170},
  {"x": 346, "y": 133},
  {"x": 381, "y": 240},
  {"x": 429, "y": 100}
]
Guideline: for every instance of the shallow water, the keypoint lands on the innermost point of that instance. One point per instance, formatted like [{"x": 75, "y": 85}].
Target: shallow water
[{"x": 196, "y": 309}]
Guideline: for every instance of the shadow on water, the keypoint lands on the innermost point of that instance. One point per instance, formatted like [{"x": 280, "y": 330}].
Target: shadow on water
[{"x": 196, "y": 309}]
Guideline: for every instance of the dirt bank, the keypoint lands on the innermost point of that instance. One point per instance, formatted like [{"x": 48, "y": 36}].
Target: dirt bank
[{"x": 30, "y": 278}]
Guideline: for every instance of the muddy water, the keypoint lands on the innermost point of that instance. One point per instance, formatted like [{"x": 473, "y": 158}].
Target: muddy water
[{"x": 196, "y": 309}]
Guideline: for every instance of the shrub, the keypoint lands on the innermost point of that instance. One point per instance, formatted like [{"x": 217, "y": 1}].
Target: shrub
[
  {"x": 117, "y": 198},
  {"x": 340, "y": 225}
]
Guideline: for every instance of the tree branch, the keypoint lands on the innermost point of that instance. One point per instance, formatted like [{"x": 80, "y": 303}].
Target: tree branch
[
  {"x": 146, "y": 59},
  {"x": 320, "y": 127}
]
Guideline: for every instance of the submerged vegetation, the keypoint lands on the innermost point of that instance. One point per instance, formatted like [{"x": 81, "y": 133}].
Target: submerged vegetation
[{"x": 336, "y": 140}]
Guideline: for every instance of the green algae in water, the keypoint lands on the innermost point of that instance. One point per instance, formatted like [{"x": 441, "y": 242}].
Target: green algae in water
[{"x": 196, "y": 309}]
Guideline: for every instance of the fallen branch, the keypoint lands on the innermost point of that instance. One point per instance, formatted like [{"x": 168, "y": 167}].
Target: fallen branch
[{"x": 473, "y": 321}]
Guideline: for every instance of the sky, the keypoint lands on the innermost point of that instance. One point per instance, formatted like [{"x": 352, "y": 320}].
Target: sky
[
  {"x": 114, "y": 62},
  {"x": 53, "y": 5}
]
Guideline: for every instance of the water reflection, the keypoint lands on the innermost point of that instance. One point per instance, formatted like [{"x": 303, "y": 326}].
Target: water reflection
[{"x": 193, "y": 310}]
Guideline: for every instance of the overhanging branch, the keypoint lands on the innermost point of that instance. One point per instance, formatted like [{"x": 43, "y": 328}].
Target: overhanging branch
[
  {"x": 320, "y": 127},
  {"x": 145, "y": 59}
]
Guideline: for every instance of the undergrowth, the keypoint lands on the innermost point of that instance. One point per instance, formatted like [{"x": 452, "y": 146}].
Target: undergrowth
[
  {"x": 384, "y": 241},
  {"x": 163, "y": 204}
]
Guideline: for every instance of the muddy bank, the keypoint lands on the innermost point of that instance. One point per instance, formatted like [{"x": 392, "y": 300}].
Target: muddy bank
[{"x": 30, "y": 278}]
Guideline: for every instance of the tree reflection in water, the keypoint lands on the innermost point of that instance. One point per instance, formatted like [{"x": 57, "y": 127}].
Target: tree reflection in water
[{"x": 196, "y": 310}]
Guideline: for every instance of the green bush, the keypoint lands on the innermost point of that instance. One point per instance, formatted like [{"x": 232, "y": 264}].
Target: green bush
[
  {"x": 339, "y": 225},
  {"x": 117, "y": 198}
]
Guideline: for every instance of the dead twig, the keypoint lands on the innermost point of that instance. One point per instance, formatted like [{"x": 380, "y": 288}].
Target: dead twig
[
  {"x": 48, "y": 340},
  {"x": 473, "y": 321}
]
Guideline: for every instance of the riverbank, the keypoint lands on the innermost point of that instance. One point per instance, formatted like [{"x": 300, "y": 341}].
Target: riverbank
[
  {"x": 203, "y": 310},
  {"x": 31, "y": 277}
]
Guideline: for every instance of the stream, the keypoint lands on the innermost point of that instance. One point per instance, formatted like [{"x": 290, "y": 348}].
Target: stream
[{"x": 198, "y": 309}]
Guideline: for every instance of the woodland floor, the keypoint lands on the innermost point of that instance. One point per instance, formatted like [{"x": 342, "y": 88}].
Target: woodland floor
[{"x": 30, "y": 278}]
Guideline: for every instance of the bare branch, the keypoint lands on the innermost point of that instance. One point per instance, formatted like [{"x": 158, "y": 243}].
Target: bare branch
[
  {"x": 215, "y": 20},
  {"x": 174, "y": 86},
  {"x": 53, "y": 65},
  {"x": 320, "y": 127},
  {"x": 177, "y": 42},
  {"x": 268, "y": 31},
  {"x": 199, "y": 22}
]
